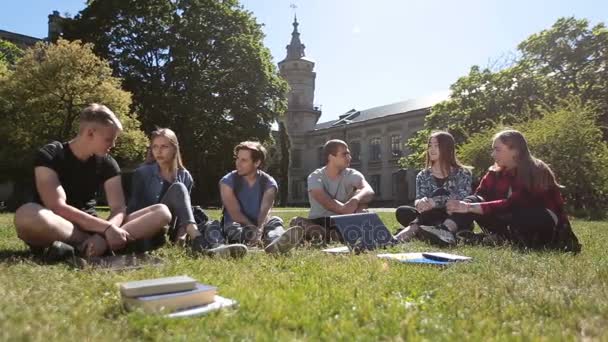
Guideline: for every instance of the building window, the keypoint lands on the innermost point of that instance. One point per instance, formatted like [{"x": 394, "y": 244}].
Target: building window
[
  {"x": 320, "y": 156},
  {"x": 374, "y": 181},
  {"x": 396, "y": 149},
  {"x": 375, "y": 150},
  {"x": 296, "y": 159},
  {"x": 395, "y": 184},
  {"x": 355, "y": 151}
]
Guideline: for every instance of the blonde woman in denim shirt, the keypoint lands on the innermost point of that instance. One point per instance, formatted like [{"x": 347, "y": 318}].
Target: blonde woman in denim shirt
[{"x": 164, "y": 179}]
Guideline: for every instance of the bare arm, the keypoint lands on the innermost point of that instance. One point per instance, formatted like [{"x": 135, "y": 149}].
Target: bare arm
[
  {"x": 54, "y": 198},
  {"x": 364, "y": 193},
  {"x": 231, "y": 204},
  {"x": 327, "y": 202},
  {"x": 116, "y": 200},
  {"x": 266, "y": 205}
]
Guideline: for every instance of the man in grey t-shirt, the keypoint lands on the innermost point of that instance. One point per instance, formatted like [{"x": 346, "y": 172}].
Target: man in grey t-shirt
[{"x": 334, "y": 189}]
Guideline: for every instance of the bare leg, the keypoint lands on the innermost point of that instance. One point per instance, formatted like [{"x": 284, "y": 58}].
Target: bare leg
[
  {"x": 408, "y": 232},
  {"x": 149, "y": 223},
  {"x": 39, "y": 226}
]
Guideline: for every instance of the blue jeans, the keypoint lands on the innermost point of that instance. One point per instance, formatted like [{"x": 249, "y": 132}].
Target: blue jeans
[{"x": 238, "y": 233}]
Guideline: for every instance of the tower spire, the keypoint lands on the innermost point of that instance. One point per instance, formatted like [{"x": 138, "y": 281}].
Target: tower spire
[{"x": 295, "y": 49}]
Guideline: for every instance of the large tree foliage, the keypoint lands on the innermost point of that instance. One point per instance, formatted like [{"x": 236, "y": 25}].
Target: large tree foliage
[
  {"x": 42, "y": 98},
  {"x": 9, "y": 52},
  {"x": 196, "y": 66},
  {"x": 568, "y": 59},
  {"x": 570, "y": 141}
]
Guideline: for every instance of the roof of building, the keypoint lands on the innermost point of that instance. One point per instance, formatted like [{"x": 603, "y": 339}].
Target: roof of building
[
  {"x": 412, "y": 105},
  {"x": 22, "y": 38}
]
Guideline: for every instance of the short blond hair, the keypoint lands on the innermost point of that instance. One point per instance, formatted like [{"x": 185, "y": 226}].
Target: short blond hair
[{"x": 100, "y": 114}]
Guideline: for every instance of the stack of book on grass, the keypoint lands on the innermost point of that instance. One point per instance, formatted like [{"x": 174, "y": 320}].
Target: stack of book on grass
[
  {"x": 173, "y": 296},
  {"x": 432, "y": 258}
]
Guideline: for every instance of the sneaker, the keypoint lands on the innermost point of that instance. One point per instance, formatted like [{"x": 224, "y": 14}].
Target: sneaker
[
  {"x": 198, "y": 244},
  {"x": 438, "y": 235},
  {"x": 235, "y": 250},
  {"x": 287, "y": 241},
  {"x": 59, "y": 251},
  {"x": 296, "y": 221},
  {"x": 469, "y": 238}
]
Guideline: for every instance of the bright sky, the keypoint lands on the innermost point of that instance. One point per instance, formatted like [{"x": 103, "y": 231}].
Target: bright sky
[{"x": 372, "y": 53}]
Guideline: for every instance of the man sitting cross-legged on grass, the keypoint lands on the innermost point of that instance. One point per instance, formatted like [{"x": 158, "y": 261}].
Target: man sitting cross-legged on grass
[
  {"x": 248, "y": 195},
  {"x": 334, "y": 189},
  {"x": 67, "y": 176}
]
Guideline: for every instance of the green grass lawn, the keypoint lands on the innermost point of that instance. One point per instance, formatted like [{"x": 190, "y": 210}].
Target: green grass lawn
[{"x": 503, "y": 294}]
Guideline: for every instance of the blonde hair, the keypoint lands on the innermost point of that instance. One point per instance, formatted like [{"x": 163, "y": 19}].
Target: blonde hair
[
  {"x": 532, "y": 172},
  {"x": 98, "y": 114},
  {"x": 169, "y": 134}
]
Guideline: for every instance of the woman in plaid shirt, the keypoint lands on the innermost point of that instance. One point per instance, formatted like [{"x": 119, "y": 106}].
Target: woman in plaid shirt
[
  {"x": 518, "y": 200},
  {"x": 443, "y": 178}
]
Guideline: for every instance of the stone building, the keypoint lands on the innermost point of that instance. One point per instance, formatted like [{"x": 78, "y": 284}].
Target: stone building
[
  {"x": 23, "y": 41},
  {"x": 375, "y": 136}
]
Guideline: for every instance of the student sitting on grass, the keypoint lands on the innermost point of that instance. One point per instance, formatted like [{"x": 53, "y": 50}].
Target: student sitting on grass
[
  {"x": 67, "y": 176},
  {"x": 164, "y": 179},
  {"x": 517, "y": 201},
  {"x": 334, "y": 189},
  {"x": 248, "y": 194},
  {"x": 443, "y": 178}
]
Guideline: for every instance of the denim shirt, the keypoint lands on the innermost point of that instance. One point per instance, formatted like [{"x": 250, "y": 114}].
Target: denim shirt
[{"x": 147, "y": 183}]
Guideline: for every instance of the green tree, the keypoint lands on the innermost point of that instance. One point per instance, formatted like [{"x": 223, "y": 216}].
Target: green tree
[
  {"x": 568, "y": 59},
  {"x": 42, "y": 98},
  {"x": 197, "y": 66},
  {"x": 570, "y": 141},
  {"x": 9, "y": 52}
]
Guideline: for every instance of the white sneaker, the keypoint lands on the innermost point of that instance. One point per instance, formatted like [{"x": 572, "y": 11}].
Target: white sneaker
[
  {"x": 235, "y": 250},
  {"x": 288, "y": 240}
]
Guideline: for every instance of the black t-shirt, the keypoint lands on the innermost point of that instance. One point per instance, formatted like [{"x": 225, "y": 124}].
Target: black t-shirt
[{"x": 79, "y": 179}]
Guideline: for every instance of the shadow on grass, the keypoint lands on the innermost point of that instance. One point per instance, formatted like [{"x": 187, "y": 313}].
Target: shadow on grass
[{"x": 8, "y": 256}]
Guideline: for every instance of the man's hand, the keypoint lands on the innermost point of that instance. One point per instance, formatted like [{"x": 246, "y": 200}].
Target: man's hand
[
  {"x": 350, "y": 206},
  {"x": 456, "y": 206},
  {"x": 117, "y": 237},
  {"x": 94, "y": 246},
  {"x": 425, "y": 204},
  {"x": 257, "y": 239}
]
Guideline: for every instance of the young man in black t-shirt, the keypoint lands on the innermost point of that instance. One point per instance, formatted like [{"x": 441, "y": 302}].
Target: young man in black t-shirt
[{"x": 67, "y": 176}]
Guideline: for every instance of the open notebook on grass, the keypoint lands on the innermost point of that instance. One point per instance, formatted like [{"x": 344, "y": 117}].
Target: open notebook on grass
[{"x": 431, "y": 258}]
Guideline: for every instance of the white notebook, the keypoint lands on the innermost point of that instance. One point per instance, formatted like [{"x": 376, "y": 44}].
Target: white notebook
[{"x": 219, "y": 303}]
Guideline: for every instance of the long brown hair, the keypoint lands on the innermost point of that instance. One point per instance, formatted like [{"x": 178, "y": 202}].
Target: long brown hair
[
  {"x": 447, "y": 152},
  {"x": 169, "y": 134},
  {"x": 531, "y": 172}
]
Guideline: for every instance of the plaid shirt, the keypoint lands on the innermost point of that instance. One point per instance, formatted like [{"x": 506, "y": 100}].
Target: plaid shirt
[{"x": 502, "y": 192}]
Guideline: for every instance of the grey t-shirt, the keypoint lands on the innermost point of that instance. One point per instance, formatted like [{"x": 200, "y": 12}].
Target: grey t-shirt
[{"x": 341, "y": 189}]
